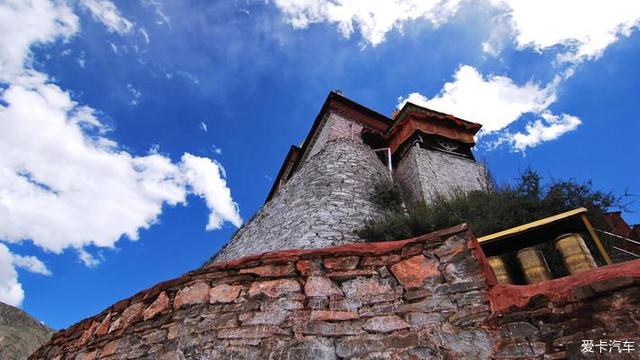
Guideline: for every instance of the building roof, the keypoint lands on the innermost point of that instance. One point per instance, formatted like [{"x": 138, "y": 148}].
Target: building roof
[{"x": 410, "y": 119}]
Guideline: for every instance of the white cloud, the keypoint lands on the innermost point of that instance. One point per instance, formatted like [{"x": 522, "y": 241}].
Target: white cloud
[
  {"x": 87, "y": 259},
  {"x": 372, "y": 18},
  {"x": 107, "y": 13},
  {"x": 11, "y": 291},
  {"x": 27, "y": 23},
  {"x": 161, "y": 17},
  {"x": 550, "y": 127},
  {"x": 135, "y": 95},
  {"x": 206, "y": 179},
  {"x": 497, "y": 102},
  {"x": 31, "y": 263},
  {"x": 73, "y": 190},
  {"x": 586, "y": 28},
  {"x": 144, "y": 34},
  {"x": 63, "y": 182}
]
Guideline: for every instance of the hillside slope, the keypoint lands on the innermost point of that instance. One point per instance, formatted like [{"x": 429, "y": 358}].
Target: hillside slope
[{"x": 20, "y": 334}]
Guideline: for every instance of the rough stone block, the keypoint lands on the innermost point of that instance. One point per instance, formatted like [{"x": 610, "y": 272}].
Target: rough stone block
[
  {"x": 131, "y": 314},
  {"x": 421, "y": 320},
  {"x": 331, "y": 315},
  {"x": 377, "y": 261},
  {"x": 224, "y": 293},
  {"x": 104, "y": 326},
  {"x": 270, "y": 270},
  {"x": 309, "y": 267},
  {"x": 435, "y": 303},
  {"x": 323, "y": 328},
  {"x": 110, "y": 348},
  {"x": 341, "y": 263},
  {"x": 273, "y": 288},
  {"x": 469, "y": 315},
  {"x": 159, "y": 306},
  {"x": 281, "y": 304},
  {"x": 343, "y": 275},
  {"x": 362, "y": 288},
  {"x": 463, "y": 286},
  {"x": 452, "y": 248},
  {"x": 193, "y": 294},
  {"x": 253, "y": 332},
  {"x": 519, "y": 330},
  {"x": 307, "y": 349},
  {"x": 321, "y": 286},
  {"x": 413, "y": 272},
  {"x": 276, "y": 317},
  {"x": 362, "y": 345},
  {"x": 462, "y": 270},
  {"x": 385, "y": 324}
]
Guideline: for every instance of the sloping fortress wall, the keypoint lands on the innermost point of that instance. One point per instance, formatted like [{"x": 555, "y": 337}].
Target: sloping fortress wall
[
  {"x": 431, "y": 297},
  {"x": 324, "y": 202},
  {"x": 322, "y": 195}
]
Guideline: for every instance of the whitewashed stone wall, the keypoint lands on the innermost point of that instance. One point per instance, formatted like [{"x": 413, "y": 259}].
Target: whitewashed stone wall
[
  {"x": 323, "y": 204},
  {"x": 425, "y": 174}
]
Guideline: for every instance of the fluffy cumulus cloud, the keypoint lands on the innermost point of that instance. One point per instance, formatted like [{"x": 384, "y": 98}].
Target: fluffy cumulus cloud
[
  {"x": 543, "y": 24},
  {"x": 497, "y": 102},
  {"x": 585, "y": 28},
  {"x": 550, "y": 127},
  {"x": 26, "y": 23},
  {"x": 372, "y": 18},
  {"x": 577, "y": 30},
  {"x": 11, "y": 291},
  {"x": 63, "y": 182}
]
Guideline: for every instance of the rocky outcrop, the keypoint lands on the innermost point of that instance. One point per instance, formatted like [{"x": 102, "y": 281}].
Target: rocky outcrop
[{"x": 20, "y": 334}]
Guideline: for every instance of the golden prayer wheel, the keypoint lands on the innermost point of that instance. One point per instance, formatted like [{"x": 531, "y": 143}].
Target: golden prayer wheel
[
  {"x": 534, "y": 266},
  {"x": 500, "y": 270},
  {"x": 575, "y": 253}
]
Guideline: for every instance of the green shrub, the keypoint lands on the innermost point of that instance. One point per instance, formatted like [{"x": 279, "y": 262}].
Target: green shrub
[{"x": 487, "y": 212}]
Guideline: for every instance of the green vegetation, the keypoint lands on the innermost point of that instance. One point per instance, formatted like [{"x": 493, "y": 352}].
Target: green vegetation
[{"x": 501, "y": 208}]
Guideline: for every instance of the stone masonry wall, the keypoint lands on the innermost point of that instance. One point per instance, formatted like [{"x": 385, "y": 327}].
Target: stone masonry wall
[
  {"x": 406, "y": 173},
  {"x": 427, "y": 173},
  {"x": 430, "y": 297},
  {"x": 421, "y": 298},
  {"x": 323, "y": 203}
]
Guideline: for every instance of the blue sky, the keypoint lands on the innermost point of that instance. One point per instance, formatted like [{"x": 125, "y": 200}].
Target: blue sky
[{"x": 136, "y": 136}]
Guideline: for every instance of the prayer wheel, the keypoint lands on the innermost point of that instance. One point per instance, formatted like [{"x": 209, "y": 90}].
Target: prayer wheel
[
  {"x": 576, "y": 255},
  {"x": 499, "y": 269},
  {"x": 534, "y": 266}
]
